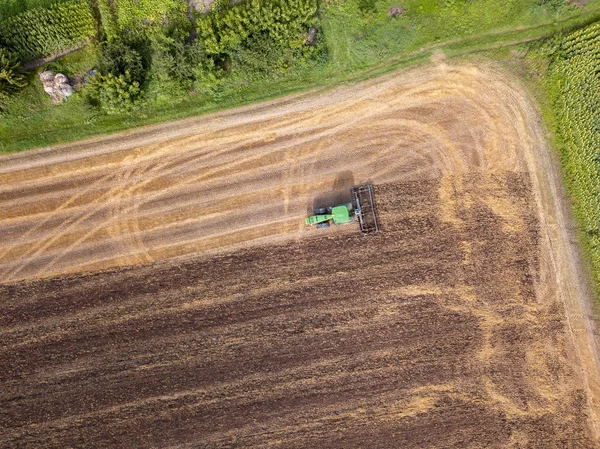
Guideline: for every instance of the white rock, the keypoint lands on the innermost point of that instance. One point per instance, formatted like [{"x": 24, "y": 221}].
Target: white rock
[
  {"x": 64, "y": 90},
  {"x": 60, "y": 79},
  {"x": 47, "y": 76}
]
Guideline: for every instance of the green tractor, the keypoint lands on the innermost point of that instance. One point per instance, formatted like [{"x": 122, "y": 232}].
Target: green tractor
[
  {"x": 361, "y": 209},
  {"x": 324, "y": 216}
]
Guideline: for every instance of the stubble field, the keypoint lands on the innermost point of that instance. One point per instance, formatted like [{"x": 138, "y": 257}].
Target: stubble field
[
  {"x": 465, "y": 323},
  {"x": 226, "y": 179}
]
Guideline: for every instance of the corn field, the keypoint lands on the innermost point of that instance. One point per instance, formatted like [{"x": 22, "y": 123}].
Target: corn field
[
  {"x": 575, "y": 82},
  {"x": 41, "y": 32}
]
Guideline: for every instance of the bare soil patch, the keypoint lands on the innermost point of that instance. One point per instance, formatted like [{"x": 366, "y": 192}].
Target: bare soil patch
[{"x": 427, "y": 335}]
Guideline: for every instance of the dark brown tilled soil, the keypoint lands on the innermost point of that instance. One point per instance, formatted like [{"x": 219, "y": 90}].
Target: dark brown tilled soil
[{"x": 428, "y": 335}]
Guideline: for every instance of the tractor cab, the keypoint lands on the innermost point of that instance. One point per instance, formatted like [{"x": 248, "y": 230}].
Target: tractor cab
[
  {"x": 361, "y": 209},
  {"x": 325, "y": 216}
]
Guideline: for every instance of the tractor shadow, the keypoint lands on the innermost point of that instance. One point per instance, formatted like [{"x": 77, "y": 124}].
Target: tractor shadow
[{"x": 339, "y": 194}]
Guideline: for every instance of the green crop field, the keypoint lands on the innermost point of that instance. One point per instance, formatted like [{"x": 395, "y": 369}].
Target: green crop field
[
  {"x": 574, "y": 87},
  {"x": 40, "y": 32},
  {"x": 10, "y": 8}
]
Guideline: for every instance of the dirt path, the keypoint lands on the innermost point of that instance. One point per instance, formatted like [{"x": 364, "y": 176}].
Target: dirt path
[{"x": 250, "y": 175}]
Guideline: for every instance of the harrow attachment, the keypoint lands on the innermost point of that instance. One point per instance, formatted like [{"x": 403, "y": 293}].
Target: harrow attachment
[{"x": 363, "y": 203}]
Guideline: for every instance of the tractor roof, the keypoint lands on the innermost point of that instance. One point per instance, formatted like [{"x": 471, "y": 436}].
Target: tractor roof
[{"x": 341, "y": 214}]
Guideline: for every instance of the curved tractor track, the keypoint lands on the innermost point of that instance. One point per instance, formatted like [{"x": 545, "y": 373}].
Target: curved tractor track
[
  {"x": 229, "y": 178},
  {"x": 250, "y": 175}
]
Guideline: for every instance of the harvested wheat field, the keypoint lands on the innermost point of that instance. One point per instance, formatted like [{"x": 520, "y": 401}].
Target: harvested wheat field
[
  {"x": 465, "y": 323},
  {"x": 234, "y": 177}
]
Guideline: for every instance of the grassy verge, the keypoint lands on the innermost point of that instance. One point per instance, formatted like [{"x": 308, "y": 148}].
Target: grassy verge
[{"x": 360, "y": 43}]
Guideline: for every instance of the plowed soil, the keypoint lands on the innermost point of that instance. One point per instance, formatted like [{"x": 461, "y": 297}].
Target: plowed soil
[
  {"x": 466, "y": 323},
  {"x": 428, "y": 335}
]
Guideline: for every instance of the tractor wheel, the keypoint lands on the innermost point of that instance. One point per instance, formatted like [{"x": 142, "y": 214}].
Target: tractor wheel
[
  {"x": 321, "y": 211},
  {"x": 325, "y": 224}
]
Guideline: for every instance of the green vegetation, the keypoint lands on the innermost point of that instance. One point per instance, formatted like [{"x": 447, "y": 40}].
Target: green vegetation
[
  {"x": 116, "y": 93},
  {"x": 121, "y": 18},
  {"x": 122, "y": 71},
  {"x": 12, "y": 77},
  {"x": 108, "y": 20},
  {"x": 177, "y": 68},
  {"x": 13, "y": 7},
  {"x": 136, "y": 15},
  {"x": 574, "y": 86},
  {"x": 282, "y": 21},
  {"x": 41, "y": 32},
  {"x": 252, "y": 40},
  {"x": 258, "y": 39},
  {"x": 257, "y": 49}
]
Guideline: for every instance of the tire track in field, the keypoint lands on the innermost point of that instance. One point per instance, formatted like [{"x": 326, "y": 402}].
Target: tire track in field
[
  {"x": 104, "y": 205},
  {"x": 113, "y": 195},
  {"x": 377, "y": 133},
  {"x": 76, "y": 222},
  {"x": 118, "y": 192},
  {"x": 121, "y": 177},
  {"x": 118, "y": 212},
  {"x": 425, "y": 334}
]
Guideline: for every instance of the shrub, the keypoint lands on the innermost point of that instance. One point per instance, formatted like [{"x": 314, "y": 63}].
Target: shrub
[
  {"x": 261, "y": 38},
  {"x": 284, "y": 21},
  {"x": 12, "y": 77},
  {"x": 116, "y": 94},
  {"x": 119, "y": 57},
  {"x": 260, "y": 55},
  {"x": 176, "y": 60},
  {"x": 118, "y": 86},
  {"x": 366, "y": 5}
]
